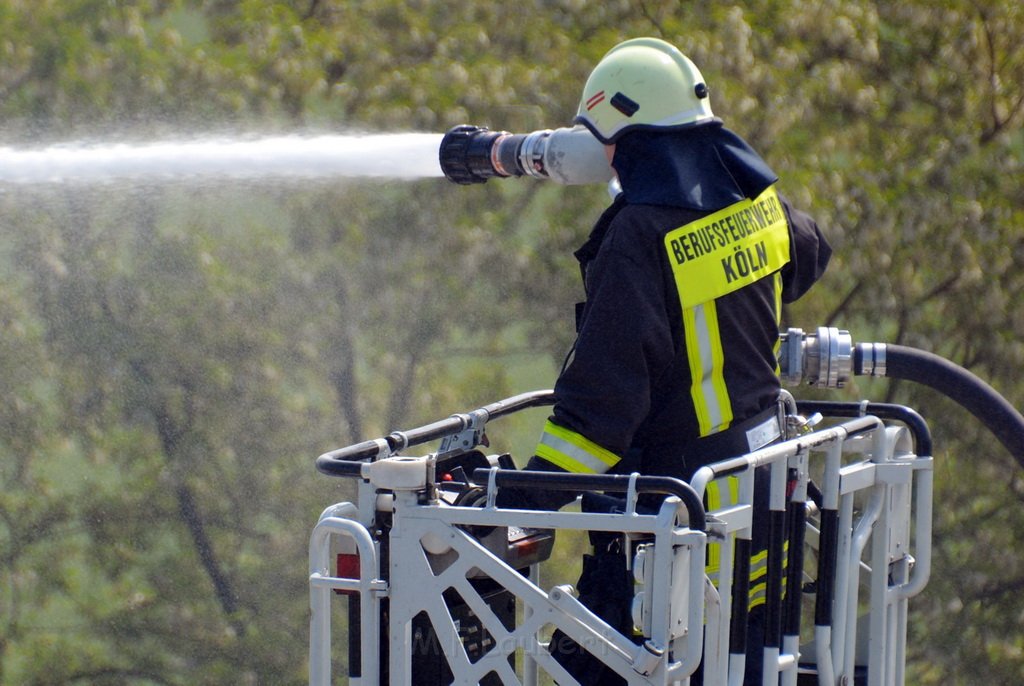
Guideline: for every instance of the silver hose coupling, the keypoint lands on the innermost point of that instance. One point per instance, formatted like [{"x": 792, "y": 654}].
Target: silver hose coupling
[{"x": 823, "y": 359}]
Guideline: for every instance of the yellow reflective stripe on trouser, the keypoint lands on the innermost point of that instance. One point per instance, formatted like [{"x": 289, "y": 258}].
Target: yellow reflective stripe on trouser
[
  {"x": 715, "y": 501},
  {"x": 725, "y": 493},
  {"x": 707, "y": 362},
  {"x": 759, "y": 570},
  {"x": 574, "y": 452}
]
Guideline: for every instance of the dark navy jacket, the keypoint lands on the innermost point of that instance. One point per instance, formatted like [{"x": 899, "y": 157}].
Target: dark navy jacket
[{"x": 627, "y": 386}]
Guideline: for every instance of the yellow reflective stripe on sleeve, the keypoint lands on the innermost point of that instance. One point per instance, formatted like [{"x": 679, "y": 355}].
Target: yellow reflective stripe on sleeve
[
  {"x": 707, "y": 362},
  {"x": 729, "y": 249},
  {"x": 574, "y": 452}
]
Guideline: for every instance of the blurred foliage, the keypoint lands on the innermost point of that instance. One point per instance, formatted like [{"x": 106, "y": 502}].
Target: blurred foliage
[{"x": 173, "y": 356}]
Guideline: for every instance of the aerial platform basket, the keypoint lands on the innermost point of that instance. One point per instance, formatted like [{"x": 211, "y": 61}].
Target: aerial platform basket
[{"x": 442, "y": 586}]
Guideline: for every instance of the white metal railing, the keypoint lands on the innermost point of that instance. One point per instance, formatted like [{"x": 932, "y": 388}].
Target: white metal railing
[{"x": 871, "y": 528}]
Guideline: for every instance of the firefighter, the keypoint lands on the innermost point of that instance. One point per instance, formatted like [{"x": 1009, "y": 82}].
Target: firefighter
[{"x": 674, "y": 364}]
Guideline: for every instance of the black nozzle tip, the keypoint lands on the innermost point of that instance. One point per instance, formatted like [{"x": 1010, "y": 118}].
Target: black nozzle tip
[{"x": 465, "y": 154}]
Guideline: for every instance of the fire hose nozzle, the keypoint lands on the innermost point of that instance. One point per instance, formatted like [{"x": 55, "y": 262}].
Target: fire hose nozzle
[{"x": 572, "y": 156}]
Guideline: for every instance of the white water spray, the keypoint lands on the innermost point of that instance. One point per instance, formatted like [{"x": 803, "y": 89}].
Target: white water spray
[{"x": 398, "y": 156}]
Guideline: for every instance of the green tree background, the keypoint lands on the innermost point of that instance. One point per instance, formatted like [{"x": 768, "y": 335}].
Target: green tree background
[{"x": 174, "y": 355}]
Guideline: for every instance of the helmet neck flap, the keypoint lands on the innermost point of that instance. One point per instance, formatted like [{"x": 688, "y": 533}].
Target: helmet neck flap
[{"x": 702, "y": 168}]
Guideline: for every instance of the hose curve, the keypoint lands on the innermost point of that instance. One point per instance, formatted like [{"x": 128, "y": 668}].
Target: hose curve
[{"x": 962, "y": 386}]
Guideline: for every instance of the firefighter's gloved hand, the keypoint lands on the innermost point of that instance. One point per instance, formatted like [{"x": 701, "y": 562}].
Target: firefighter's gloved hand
[{"x": 535, "y": 498}]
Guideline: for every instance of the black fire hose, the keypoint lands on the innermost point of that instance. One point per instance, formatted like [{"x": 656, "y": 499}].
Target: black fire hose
[{"x": 953, "y": 381}]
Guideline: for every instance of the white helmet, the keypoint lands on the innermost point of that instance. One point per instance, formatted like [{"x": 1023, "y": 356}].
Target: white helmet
[{"x": 643, "y": 83}]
